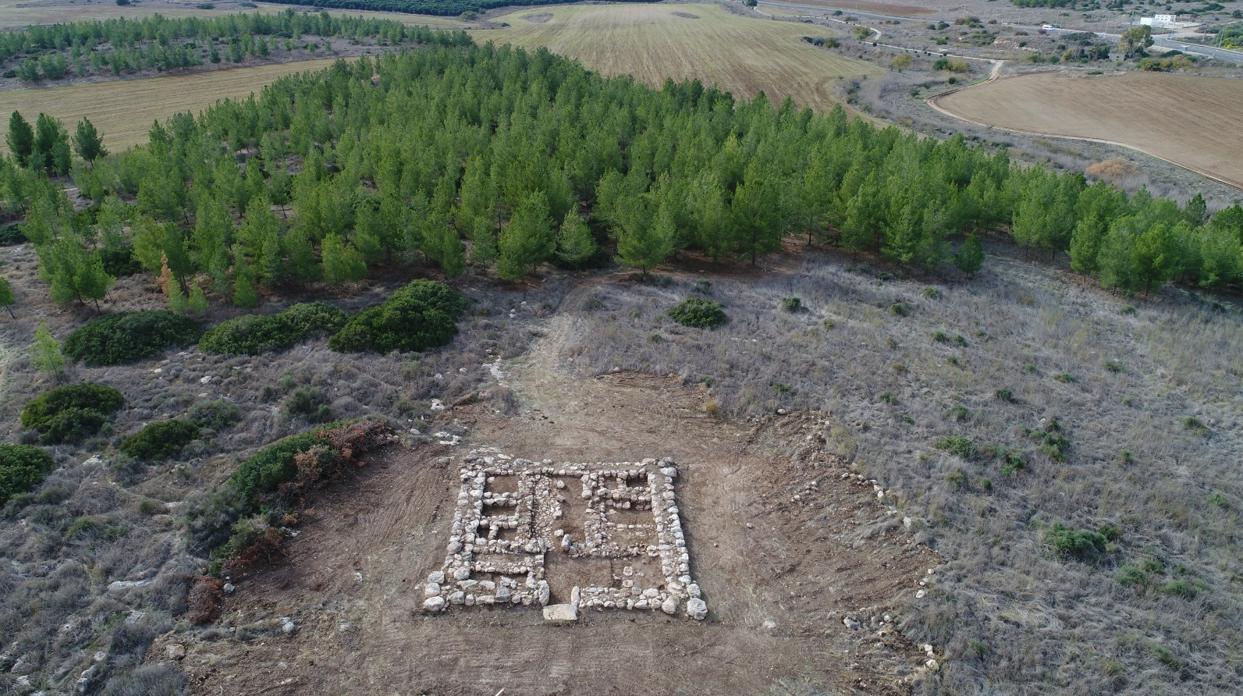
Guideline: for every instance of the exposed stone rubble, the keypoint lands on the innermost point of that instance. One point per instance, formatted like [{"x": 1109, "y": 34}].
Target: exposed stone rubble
[{"x": 510, "y": 513}]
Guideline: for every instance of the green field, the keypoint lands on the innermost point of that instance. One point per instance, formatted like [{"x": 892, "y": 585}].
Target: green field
[{"x": 653, "y": 42}]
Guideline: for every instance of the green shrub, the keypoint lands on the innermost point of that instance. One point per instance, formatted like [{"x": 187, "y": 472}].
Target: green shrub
[
  {"x": 900, "y": 309},
  {"x": 961, "y": 447},
  {"x": 792, "y": 304},
  {"x": 269, "y": 467},
  {"x": 22, "y": 467},
  {"x": 1080, "y": 544},
  {"x": 254, "y": 334},
  {"x": 1132, "y": 576},
  {"x": 958, "y": 480},
  {"x": 71, "y": 413},
  {"x": 698, "y": 313},
  {"x": 309, "y": 403},
  {"x": 1182, "y": 588},
  {"x": 130, "y": 336},
  {"x": 160, "y": 440},
  {"x": 419, "y": 316},
  {"x": 11, "y": 235},
  {"x": 1195, "y": 425},
  {"x": 214, "y": 415},
  {"x": 1052, "y": 439}
]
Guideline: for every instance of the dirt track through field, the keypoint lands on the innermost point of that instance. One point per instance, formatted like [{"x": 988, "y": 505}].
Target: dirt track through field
[
  {"x": 1193, "y": 122},
  {"x": 740, "y": 54},
  {"x": 782, "y": 562}
]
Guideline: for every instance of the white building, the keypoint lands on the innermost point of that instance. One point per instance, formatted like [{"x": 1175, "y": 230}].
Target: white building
[{"x": 1165, "y": 21}]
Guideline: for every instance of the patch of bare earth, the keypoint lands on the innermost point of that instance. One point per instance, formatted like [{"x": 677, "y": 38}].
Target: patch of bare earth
[{"x": 787, "y": 543}]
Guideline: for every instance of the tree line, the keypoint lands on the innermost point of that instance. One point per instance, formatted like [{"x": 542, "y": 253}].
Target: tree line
[
  {"x": 509, "y": 159},
  {"x": 158, "y": 43},
  {"x": 446, "y": 8}
]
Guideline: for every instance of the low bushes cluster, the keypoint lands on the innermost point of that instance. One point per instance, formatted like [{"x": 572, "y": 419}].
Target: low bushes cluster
[
  {"x": 698, "y": 313},
  {"x": 22, "y": 467},
  {"x": 263, "y": 333},
  {"x": 1085, "y": 545},
  {"x": 419, "y": 316},
  {"x": 259, "y": 493},
  {"x": 309, "y": 403},
  {"x": 129, "y": 336},
  {"x": 71, "y": 413},
  {"x": 214, "y": 415},
  {"x": 160, "y": 440}
]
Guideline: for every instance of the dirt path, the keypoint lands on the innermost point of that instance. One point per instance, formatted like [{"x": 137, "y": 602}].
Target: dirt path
[{"x": 786, "y": 543}]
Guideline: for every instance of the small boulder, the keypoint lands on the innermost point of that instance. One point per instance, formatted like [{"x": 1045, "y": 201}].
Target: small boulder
[{"x": 696, "y": 608}]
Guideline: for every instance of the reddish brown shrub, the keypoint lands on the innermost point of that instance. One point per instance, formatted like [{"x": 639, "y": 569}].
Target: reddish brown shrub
[{"x": 204, "y": 599}]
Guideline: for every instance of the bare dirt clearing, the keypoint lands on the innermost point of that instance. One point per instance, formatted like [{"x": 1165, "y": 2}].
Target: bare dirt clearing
[
  {"x": 784, "y": 548},
  {"x": 740, "y": 54},
  {"x": 1185, "y": 120}
]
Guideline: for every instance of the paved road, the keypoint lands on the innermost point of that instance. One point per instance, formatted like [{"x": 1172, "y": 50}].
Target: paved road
[{"x": 1222, "y": 54}]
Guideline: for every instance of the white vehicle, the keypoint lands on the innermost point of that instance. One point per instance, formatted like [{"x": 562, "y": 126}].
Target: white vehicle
[{"x": 1047, "y": 27}]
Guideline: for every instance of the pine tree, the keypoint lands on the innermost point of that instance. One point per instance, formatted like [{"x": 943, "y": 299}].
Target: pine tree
[
  {"x": 87, "y": 142},
  {"x": 970, "y": 256},
  {"x": 21, "y": 138},
  {"x": 6, "y": 296},
  {"x": 73, "y": 272},
  {"x": 210, "y": 241},
  {"x": 50, "y": 150},
  {"x": 244, "y": 293},
  {"x": 644, "y": 244},
  {"x": 300, "y": 262},
  {"x": 368, "y": 237},
  {"x": 443, "y": 246},
  {"x": 197, "y": 302},
  {"x": 45, "y": 354},
  {"x": 527, "y": 239},
  {"x": 259, "y": 241},
  {"x": 1196, "y": 209},
  {"x": 1098, "y": 205},
  {"x": 575, "y": 243},
  {"x": 342, "y": 262}
]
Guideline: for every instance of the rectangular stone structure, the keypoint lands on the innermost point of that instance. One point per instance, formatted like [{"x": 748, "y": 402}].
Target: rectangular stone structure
[{"x": 600, "y": 535}]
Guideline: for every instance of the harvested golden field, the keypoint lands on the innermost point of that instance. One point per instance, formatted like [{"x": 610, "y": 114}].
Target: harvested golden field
[
  {"x": 123, "y": 110},
  {"x": 20, "y": 13},
  {"x": 654, "y": 42},
  {"x": 1185, "y": 120}
]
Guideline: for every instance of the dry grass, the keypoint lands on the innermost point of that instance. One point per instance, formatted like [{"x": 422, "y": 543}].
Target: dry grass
[
  {"x": 1177, "y": 118},
  {"x": 1116, "y": 171},
  {"x": 1006, "y": 610},
  {"x": 124, "y": 109},
  {"x": 20, "y": 13},
  {"x": 654, "y": 42}
]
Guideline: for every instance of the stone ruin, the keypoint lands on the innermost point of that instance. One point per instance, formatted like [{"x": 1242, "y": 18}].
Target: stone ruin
[{"x": 566, "y": 537}]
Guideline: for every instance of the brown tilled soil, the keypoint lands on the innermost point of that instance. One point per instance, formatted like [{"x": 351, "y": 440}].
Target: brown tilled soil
[
  {"x": 1177, "y": 118},
  {"x": 785, "y": 541}
]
